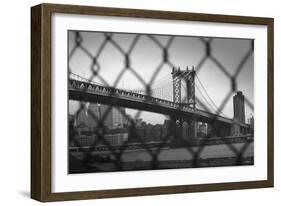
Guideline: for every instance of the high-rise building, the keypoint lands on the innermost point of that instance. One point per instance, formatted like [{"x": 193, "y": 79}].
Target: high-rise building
[
  {"x": 251, "y": 121},
  {"x": 203, "y": 129},
  {"x": 239, "y": 107},
  {"x": 118, "y": 117},
  {"x": 113, "y": 117}
]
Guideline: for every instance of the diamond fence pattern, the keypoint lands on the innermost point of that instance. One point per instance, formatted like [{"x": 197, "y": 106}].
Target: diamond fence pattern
[{"x": 88, "y": 159}]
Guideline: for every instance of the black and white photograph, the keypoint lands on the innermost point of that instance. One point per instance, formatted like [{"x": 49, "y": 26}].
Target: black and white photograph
[{"x": 156, "y": 101}]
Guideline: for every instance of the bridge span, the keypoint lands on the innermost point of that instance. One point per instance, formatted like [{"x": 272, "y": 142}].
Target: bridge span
[{"x": 91, "y": 92}]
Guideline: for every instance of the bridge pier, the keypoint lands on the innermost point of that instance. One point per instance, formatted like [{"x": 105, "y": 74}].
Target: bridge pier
[
  {"x": 176, "y": 131},
  {"x": 216, "y": 129},
  {"x": 192, "y": 128},
  {"x": 185, "y": 129},
  {"x": 237, "y": 130}
]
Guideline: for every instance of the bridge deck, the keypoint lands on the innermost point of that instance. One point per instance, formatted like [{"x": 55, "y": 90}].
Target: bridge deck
[{"x": 85, "y": 91}]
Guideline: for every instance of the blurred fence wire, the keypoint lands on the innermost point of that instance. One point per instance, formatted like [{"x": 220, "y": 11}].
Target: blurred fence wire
[{"x": 98, "y": 148}]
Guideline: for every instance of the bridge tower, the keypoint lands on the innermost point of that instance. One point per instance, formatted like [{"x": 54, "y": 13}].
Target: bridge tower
[
  {"x": 190, "y": 88},
  {"x": 186, "y": 77},
  {"x": 176, "y": 74}
]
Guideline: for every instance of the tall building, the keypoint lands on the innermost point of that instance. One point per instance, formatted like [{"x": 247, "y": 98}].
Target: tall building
[
  {"x": 112, "y": 118},
  {"x": 239, "y": 107},
  {"x": 251, "y": 121},
  {"x": 203, "y": 129},
  {"x": 118, "y": 118}
]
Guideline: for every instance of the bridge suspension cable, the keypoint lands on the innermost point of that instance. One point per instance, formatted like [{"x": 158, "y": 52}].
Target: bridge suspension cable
[
  {"x": 80, "y": 78},
  {"x": 156, "y": 92},
  {"x": 211, "y": 100},
  {"x": 208, "y": 103},
  {"x": 204, "y": 98}
]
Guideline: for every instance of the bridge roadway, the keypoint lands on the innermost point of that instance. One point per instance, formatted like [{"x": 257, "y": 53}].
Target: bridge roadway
[{"x": 90, "y": 92}]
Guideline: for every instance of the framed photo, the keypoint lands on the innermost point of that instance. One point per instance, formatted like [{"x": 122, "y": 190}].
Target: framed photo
[{"x": 132, "y": 102}]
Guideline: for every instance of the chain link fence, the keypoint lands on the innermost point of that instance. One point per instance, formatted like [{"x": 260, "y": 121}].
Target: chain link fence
[{"x": 98, "y": 96}]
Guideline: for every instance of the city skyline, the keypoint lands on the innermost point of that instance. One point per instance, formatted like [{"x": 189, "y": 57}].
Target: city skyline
[{"x": 247, "y": 120}]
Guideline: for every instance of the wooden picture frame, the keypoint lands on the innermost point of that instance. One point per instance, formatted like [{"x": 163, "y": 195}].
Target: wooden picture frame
[{"x": 41, "y": 98}]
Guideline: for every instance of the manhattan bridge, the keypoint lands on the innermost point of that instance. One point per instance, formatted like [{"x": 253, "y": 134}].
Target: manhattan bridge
[{"x": 179, "y": 109}]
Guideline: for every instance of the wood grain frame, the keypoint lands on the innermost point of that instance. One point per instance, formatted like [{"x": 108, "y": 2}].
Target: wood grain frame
[{"x": 41, "y": 101}]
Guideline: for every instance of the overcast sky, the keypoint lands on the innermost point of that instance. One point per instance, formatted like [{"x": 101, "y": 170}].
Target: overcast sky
[{"x": 184, "y": 51}]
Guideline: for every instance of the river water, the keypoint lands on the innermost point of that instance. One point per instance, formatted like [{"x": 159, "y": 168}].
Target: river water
[{"x": 166, "y": 154}]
